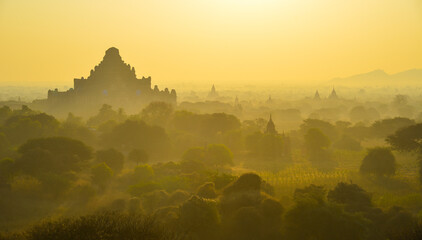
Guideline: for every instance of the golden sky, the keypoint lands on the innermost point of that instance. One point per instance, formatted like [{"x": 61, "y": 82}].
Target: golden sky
[{"x": 209, "y": 41}]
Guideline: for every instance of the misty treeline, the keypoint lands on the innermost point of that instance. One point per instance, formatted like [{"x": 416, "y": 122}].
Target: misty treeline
[{"x": 168, "y": 173}]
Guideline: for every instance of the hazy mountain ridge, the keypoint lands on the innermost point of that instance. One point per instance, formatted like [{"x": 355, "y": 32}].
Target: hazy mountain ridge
[{"x": 412, "y": 76}]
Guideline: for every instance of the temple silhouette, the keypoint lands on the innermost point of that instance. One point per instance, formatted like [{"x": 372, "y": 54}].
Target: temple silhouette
[{"x": 111, "y": 82}]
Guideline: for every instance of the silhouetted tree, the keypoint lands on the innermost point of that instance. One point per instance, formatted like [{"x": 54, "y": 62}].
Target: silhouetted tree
[
  {"x": 138, "y": 156},
  {"x": 193, "y": 166},
  {"x": 247, "y": 212},
  {"x": 134, "y": 206},
  {"x": 399, "y": 223},
  {"x": 6, "y": 171},
  {"x": 267, "y": 146},
  {"x": 178, "y": 197},
  {"x": 222, "y": 180},
  {"x": 207, "y": 190},
  {"x": 244, "y": 192},
  {"x": 194, "y": 154},
  {"x": 105, "y": 114},
  {"x": 317, "y": 144},
  {"x": 218, "y": 155},
  {"x": 253, "y": 126},
  {"x": 311, "y": 192},
  {"x": 205, "y": 125},
  {"x": 362, "y": 114},
  {"x": 386, "y": 127},
  {"x": 143, "y": 188},
  {"x": 350, "y": 195},
  {"x": 74, "y": 128},
  {"x": 246, "y": 223},
  {"x": 200, "y": 218},
  {"x": 218, "y": 122},
  {"x": 55, "y": 154},
  {"x": 103, "y": 225},
  {"x": 5, "y": 113},
  {"x": 134, "y": 134},
  {"x": 348, "y": 143},
  {"x": 143, "y": 173},
  {"x": 213, "y": 155},
  {"x": 20, "y": 128},
  {"x": 113, "y": 158},
  {"x": 310, "y": 219},
  {"x": 101, "y": 175},
  {"x": 154, "y": 199},
  {"x": 356, "y": 200},
  {"x": 315, "y": 140},
  {"x": 379, "y": 161},
  {"x": 400, "y": 104},
  {"x": 408, "y": 139},
  {"x": 325, "y": 127},
  {"x": 186, "y": 121},
  {"x": 157, "y": 113},
  {"x": 4, "y": 146},
  {"x": 271, "y": 211}
]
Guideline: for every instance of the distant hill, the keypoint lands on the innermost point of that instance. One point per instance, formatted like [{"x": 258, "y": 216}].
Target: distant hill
[{"x": 413, "y": 76}]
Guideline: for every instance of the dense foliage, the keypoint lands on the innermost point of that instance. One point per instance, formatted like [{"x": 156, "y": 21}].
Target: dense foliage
[{"x": 167, "y": 173}]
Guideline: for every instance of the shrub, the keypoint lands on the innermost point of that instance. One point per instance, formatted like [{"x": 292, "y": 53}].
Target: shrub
[
  {"x": 218, "y": 155},
  {"x": 379, "y": 161},
  {"x": 200, "y": 217},
  {"x": 351, "y": 195},
  {"x": 244, "y": 192},
  {"x": 113, "y": 158},
  {"x": 134, "y": 205},
  {"x": 101, "y": 174},
  {"x": 246, "y": 182},
  {"x": 143, "y": 173},
  {"x": 194, "y": 154},
  {"x": 139, "y": 189},
  {"x": 178, "y": 197},
  {"x": 207, "y": 190},
  {"x": 320, "y": 221},
  {"x": 154, "y": 200},
  {"x": 138, "y": 156},
  {"x": 102, "y": 226}
]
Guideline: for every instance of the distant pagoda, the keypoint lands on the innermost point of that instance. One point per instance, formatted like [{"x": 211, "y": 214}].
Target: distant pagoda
[
  {"x": 270, "y": 127},
  {"x": 111, "y": 82},
  {"x": 333, "y": 95},
  {"x": 236, "y": 101},
  {"x": 269, "y": 100},
  {"x": 316, "y": 96},
  {"x": 237, "y": 105},
  {"x": 213, "y": 93}
]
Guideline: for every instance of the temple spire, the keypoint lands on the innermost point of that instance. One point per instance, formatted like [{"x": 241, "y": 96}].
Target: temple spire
[
  {"x": 213, "y": 93},
  {"x": 270, "y": 126},
  {"x": 316, "y": 96},
  {"x": 269, "y": 100},
  {"x": 333, "y": 94}
]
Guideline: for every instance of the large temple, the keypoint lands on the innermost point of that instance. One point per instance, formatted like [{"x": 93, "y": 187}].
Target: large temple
[{"x": 111, "y": 82}]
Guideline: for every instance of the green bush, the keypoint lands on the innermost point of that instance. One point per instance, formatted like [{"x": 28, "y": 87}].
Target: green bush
[
  {"x": 113, "y": 158},
  {"x": 101, "y": 174},
  {"x": 143, "y": 173},
  {"x": 142, "y": 188},
  {"x": 200, "y": 217},
  {"x": 207, "y": 190},
  {"x": 379, "y": 161},
  {"x": 102, "y": 226}
]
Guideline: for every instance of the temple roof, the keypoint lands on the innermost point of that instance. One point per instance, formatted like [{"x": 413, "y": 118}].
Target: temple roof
[
  {"x": 271, "y": 127},
  {"x": 113, "y": 67}
]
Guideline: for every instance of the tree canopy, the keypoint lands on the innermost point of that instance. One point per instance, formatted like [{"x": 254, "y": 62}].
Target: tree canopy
[
  {"x": 55, "y": 154},
  {"x": 379, "y": 161}
]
